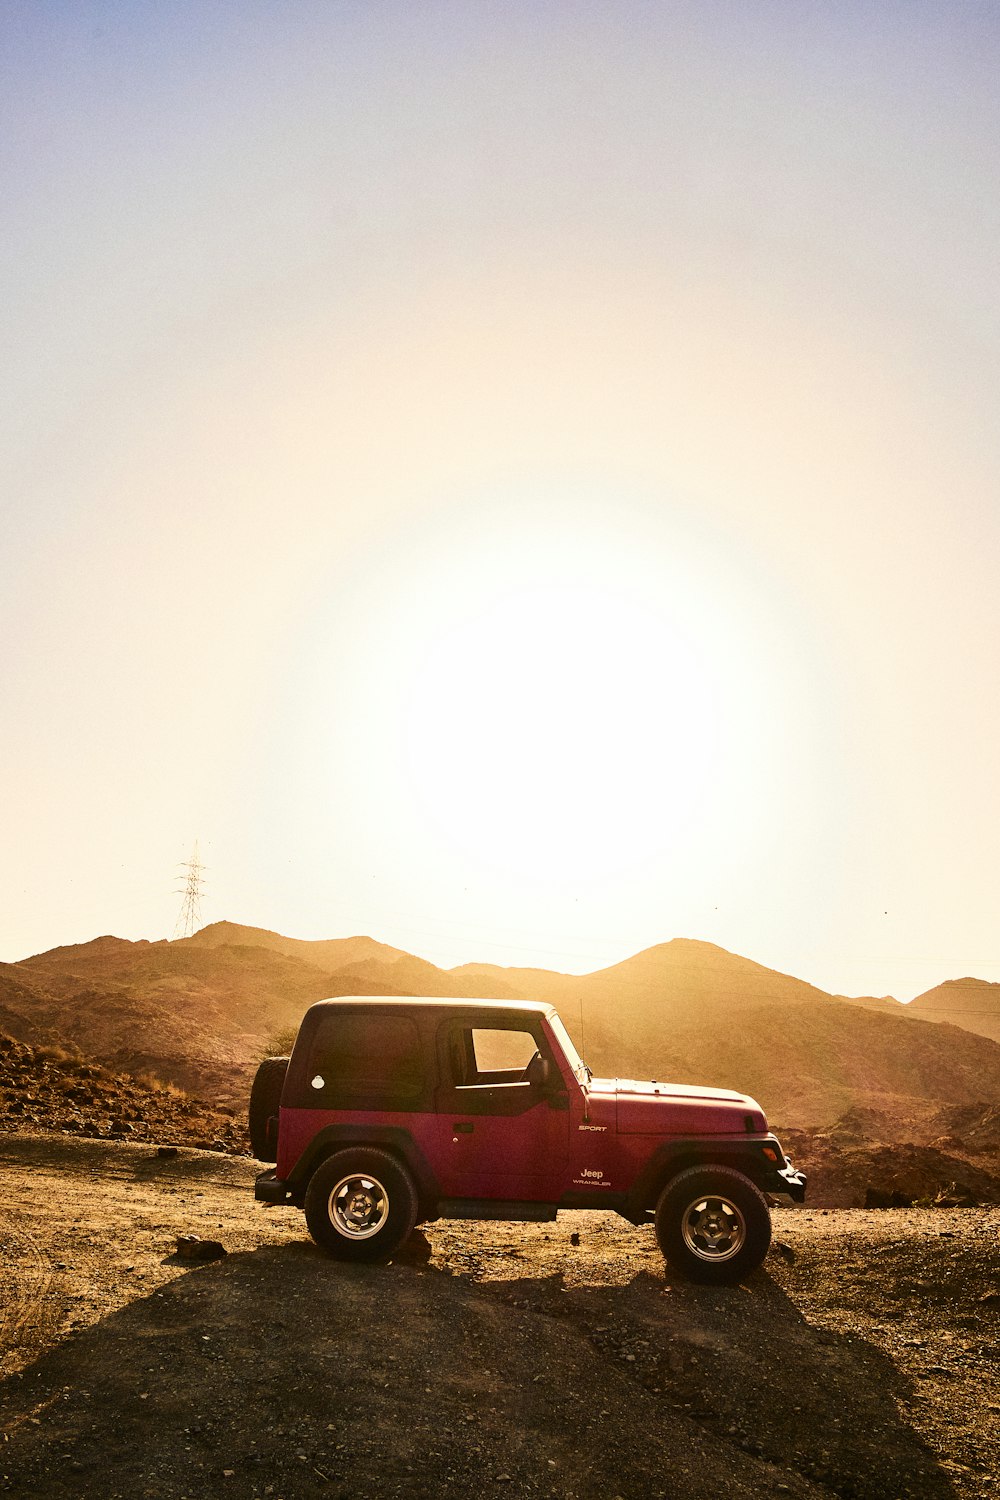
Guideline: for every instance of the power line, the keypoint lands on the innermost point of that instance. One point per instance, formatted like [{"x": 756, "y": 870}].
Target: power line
[
  {"x": 948, "y": 1010},
  {"x": 189, "y": 919}
]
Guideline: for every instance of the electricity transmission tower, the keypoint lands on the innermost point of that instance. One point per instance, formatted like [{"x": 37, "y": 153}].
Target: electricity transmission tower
[{"x": 190, "y": 914}]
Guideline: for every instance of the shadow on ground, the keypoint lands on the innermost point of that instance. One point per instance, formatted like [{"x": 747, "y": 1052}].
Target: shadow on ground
[{"x": 282, "y": 1373}]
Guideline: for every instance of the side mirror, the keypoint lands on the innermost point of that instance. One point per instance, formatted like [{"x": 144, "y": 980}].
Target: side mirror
[{"x": 539, "y": 1072}]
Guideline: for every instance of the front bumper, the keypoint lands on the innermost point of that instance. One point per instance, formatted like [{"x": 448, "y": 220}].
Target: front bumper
[
  {"x": 788, "y": 1186},
  {"x": 270, "y": 1188}
]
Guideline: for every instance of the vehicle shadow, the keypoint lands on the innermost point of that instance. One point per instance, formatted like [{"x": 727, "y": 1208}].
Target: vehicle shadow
[
  {"x": 281, "y": 1372},
  {"x": 745, "y": 1365}
]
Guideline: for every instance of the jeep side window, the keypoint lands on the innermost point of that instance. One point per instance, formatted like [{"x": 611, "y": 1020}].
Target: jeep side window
[
  {"x": 482, "y": 1055},
  {"x": 367, "y": 1058}
]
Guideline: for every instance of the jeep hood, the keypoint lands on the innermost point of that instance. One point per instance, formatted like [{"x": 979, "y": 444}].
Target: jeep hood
[{"x": 680, "y": 1109}]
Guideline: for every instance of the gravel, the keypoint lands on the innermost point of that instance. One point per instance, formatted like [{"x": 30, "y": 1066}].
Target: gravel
[{"x": 487, "y": 1360}]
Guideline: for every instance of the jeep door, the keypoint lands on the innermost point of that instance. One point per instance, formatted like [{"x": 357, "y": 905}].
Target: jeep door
[{"x": 504, "y": 1124}]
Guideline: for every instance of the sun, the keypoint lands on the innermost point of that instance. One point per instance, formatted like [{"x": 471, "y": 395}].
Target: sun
[
  {"x": 521, "y": 722},
  {"x": 565, "y": 728}
]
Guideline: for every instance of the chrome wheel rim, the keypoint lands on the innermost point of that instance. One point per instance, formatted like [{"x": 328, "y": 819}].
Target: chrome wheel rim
[
  {"x": 713, "y": 1228},
  {"x": 358, "y": 1206}
]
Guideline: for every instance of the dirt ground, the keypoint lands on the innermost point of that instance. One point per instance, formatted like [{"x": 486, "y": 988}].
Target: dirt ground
[{"x": 489, "y": 1360}]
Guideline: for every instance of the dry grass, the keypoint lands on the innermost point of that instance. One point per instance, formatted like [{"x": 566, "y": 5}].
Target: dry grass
[
  {"x": 147, "y": 1079},
  {"x": 62, "y": 1056},
  {"x": 280, "y": 1043}
]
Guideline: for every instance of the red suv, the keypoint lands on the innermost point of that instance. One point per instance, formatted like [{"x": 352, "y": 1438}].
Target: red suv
[{"x": 394, "y": 1111}]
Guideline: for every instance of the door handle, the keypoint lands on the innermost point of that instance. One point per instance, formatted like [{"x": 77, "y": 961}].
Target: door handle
[{"x": 465, "y": 1126}]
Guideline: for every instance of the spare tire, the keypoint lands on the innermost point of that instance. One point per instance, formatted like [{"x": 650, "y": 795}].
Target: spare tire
[{"x": 265, "y": 1097}]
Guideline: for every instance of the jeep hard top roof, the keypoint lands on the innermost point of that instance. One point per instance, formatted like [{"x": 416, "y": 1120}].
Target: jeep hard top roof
[{"x": 435, "y": 1002}]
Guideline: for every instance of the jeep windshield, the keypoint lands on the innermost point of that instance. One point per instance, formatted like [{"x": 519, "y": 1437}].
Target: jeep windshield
[{"x": 582, "y": 1072}]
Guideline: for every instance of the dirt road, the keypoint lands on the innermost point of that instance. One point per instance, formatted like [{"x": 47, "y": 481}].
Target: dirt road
[{"x": 498, "y": 1360}]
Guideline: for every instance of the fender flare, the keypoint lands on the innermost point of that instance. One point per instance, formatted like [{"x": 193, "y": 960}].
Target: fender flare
[
  {"x": 392, "y": 1137},
  {"x": 676, "y": 1156}
]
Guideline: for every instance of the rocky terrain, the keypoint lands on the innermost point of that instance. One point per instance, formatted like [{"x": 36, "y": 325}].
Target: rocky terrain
[
  {"x": 55, "y": 1090},
  {"x": 498, "y": 1360}
]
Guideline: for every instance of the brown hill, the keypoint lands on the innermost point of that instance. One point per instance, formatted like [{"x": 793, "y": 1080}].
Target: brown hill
[
  {"x": 696, "y": 1014},
  {"x": 377, "y": 967},
  {"x": 886, "y": 1005},
  {"x": 973, "y": 1004},
  {"x": 700, "y": 974},
  {"x": 55, "y": 1089},
  {"x": 199, "y": 1016},
  {"x": 528, "y": 984},
  {"x": 972, "y": 1128},
  {"x": 201, "y": 1011},
  {"x": 324, "y": 953},
  {"x": 684, "y": 975}
]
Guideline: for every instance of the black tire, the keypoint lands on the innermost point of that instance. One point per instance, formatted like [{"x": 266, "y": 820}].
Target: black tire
[
  {"x": 713, "y": 1225},
  {"x": 361, "y": 1204},
  {"x": 265, "y": 1097}
]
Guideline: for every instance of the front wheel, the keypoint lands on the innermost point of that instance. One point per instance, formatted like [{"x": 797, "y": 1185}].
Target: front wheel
[
  {"x": 361, "y": 1204},
  {"x": 713, "y": 1225}
]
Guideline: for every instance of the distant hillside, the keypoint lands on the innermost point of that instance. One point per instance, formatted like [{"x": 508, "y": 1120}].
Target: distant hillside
[
  {"x": 202, "y": 1010},
  {"x": 973, "y": 1004},
  {"x": 683, "y": 974},
  {"x": 547, "y": 985},
  {"x": 194, "y": 1015},
  {"x": 390, "y": 970},
  {"x": 695, "y": 1013},
  {"x": 806, "y": 1064},
  {"x": 886, "y": 1005},
  {"x": 701, "y": 974},
  {"x": 324, "y": 953}
]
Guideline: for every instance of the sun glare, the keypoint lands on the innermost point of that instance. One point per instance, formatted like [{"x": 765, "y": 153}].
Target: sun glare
[
  {"x": 565, "y": 729},
  {"x": 576, "y": 712},
  {"x": 522, "y": 731}
]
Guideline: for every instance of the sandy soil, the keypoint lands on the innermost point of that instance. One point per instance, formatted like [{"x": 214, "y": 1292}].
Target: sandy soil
[{"x": 863, "y": 1360}]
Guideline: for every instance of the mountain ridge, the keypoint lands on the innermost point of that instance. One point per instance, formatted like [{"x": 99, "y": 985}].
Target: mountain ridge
[
  {"x": 199, "y": 1011},
  {"x": 972, "y": 1004}
]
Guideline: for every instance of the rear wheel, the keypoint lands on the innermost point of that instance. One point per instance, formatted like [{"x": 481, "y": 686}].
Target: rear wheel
[
  {"x": 265, "y": 1099},
  {"x": 361, "y": 1204},
  {"x": 713, "y": 1225}
]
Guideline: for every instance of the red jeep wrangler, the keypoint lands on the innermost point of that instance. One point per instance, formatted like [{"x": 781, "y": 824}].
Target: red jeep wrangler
[{"x": 394, "y": 1111}]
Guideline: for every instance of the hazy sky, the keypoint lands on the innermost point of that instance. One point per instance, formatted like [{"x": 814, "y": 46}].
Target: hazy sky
[{"x": 516, "y": 479}]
